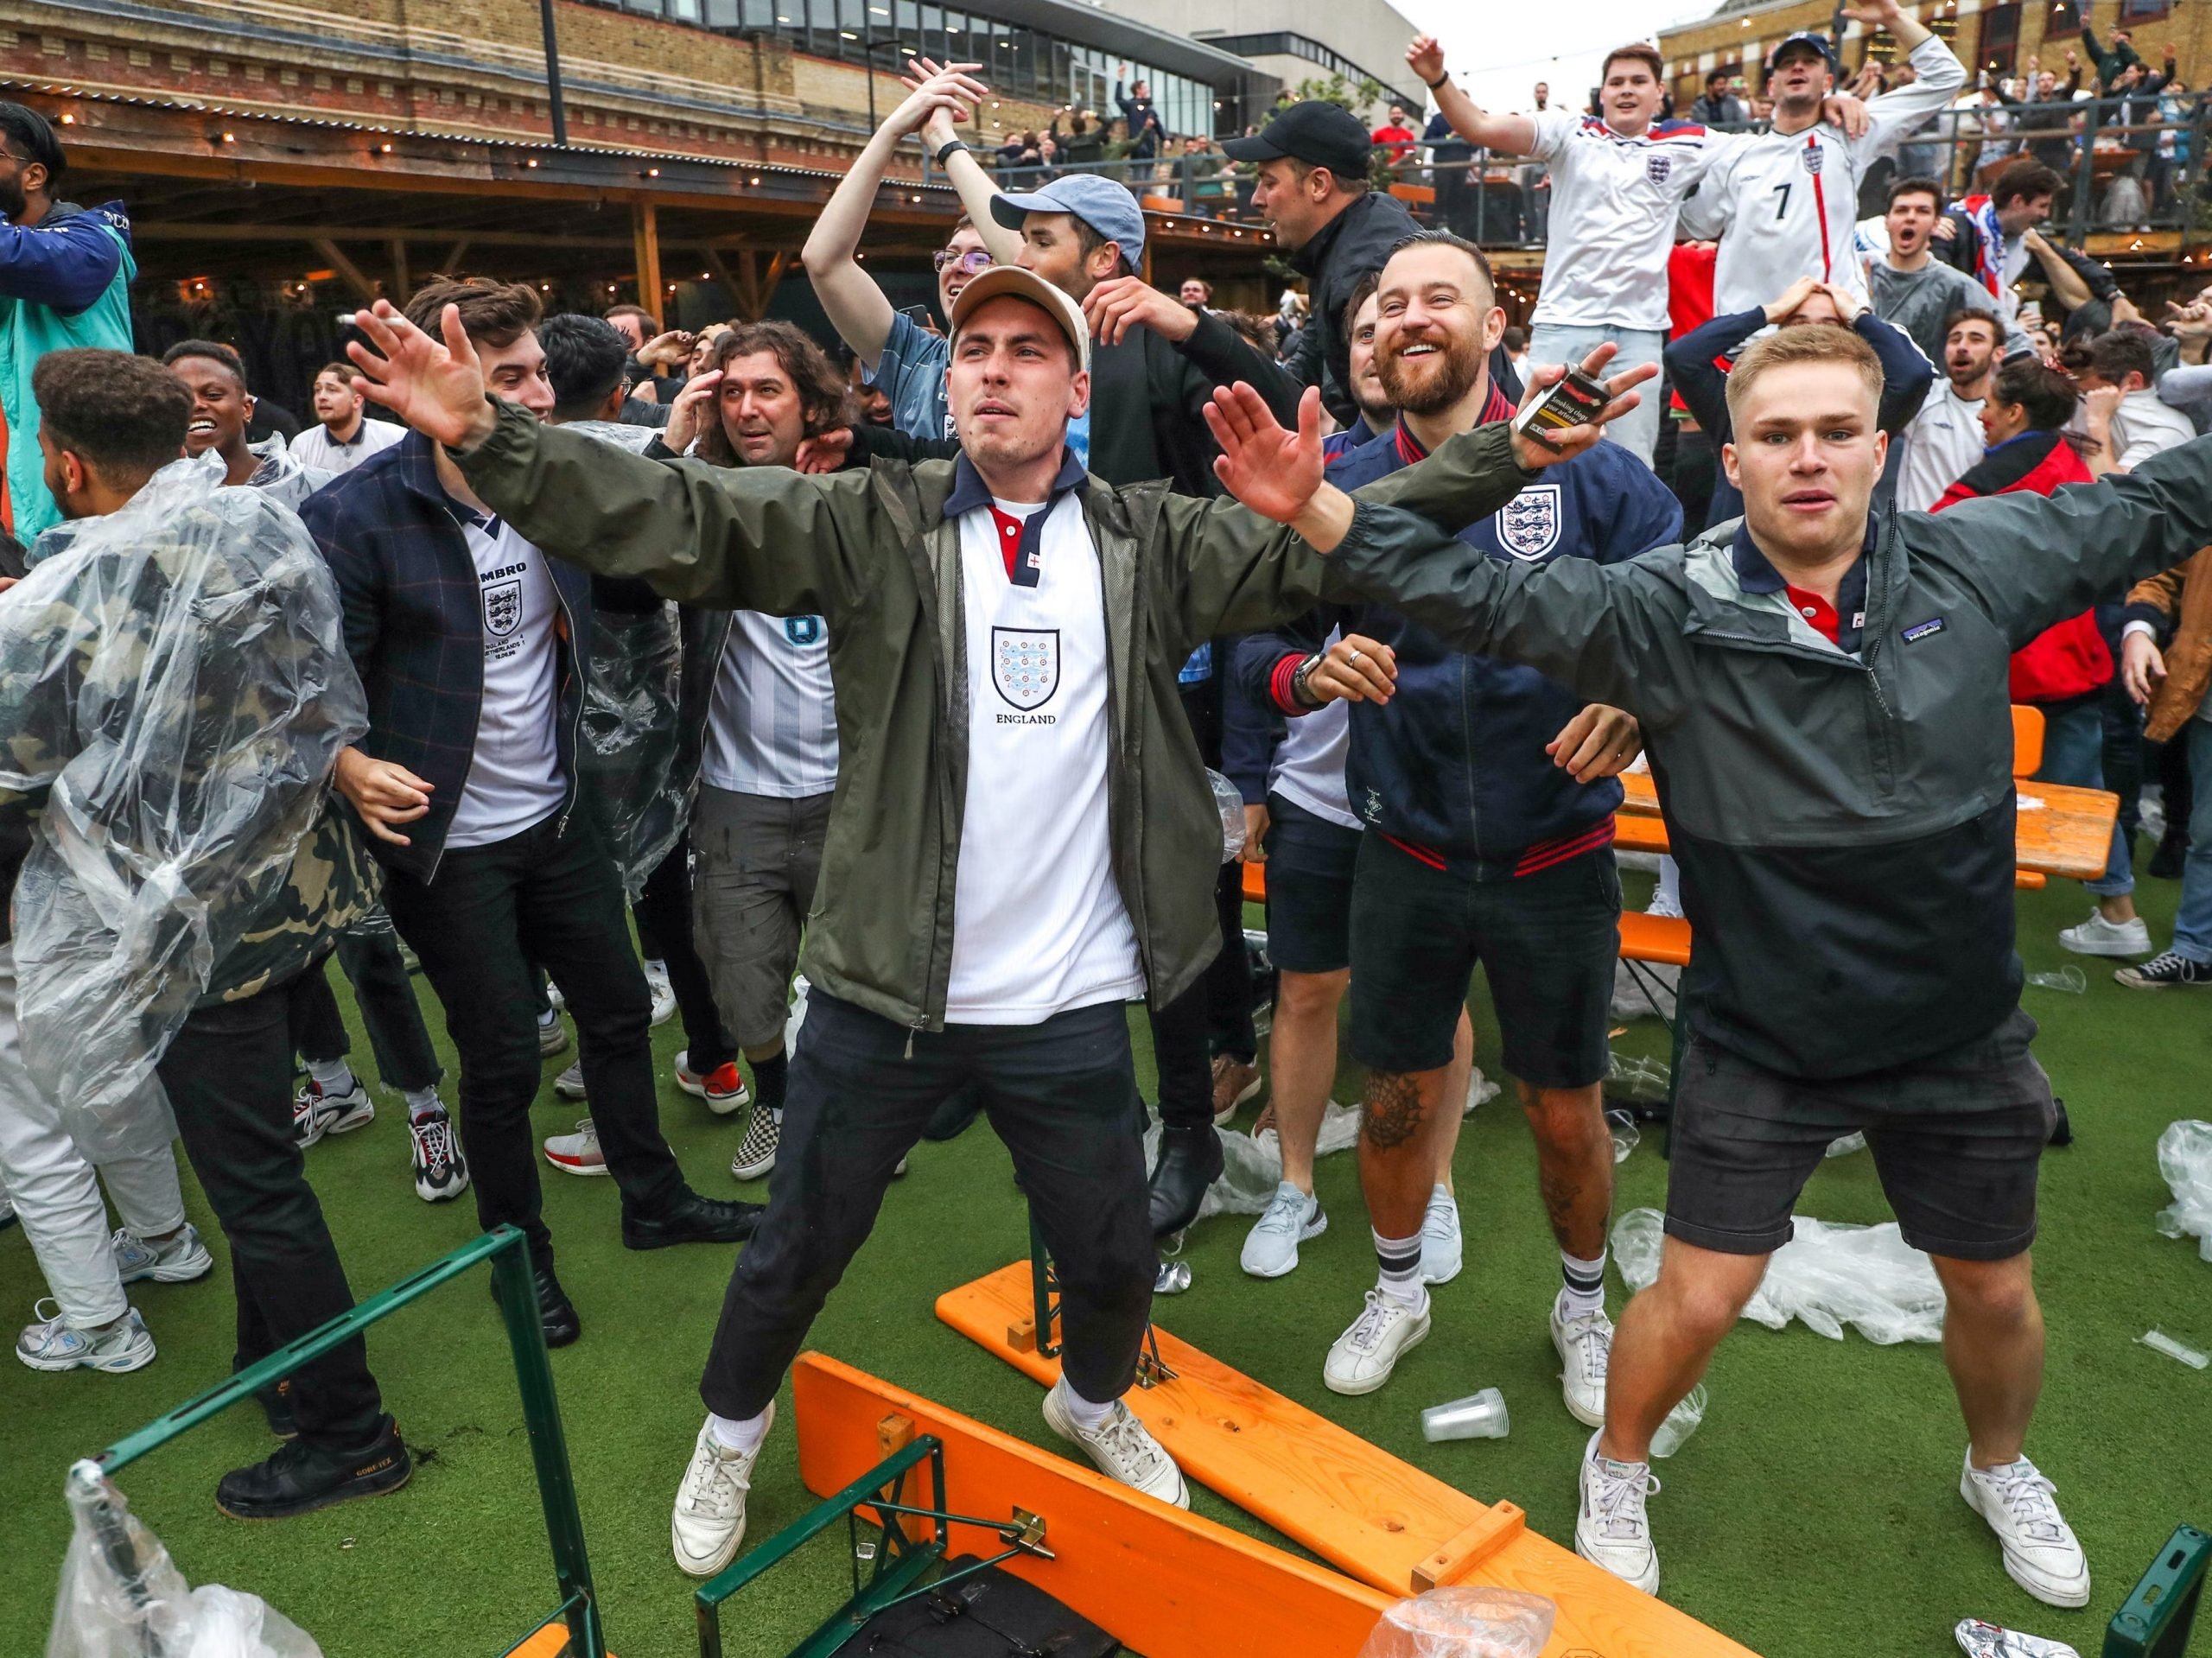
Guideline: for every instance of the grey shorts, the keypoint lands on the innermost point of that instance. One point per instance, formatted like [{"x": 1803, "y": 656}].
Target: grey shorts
[
  {"x": 757, "y": 860},
  {"x": 1957, "y": 1139}
]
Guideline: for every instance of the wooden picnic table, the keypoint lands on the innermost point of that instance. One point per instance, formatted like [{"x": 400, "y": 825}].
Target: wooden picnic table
[{"x": 2063, "y": 831}]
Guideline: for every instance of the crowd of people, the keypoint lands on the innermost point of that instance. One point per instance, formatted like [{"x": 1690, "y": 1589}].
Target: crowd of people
[{"x": 667, "y": 666}]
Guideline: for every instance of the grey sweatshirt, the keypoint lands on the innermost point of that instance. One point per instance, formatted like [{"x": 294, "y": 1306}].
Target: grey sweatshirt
[{"x": 1919, "y": 300}]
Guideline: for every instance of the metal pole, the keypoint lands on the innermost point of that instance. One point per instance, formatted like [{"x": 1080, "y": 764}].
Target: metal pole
[
  {"x": 553, "y": 73},
  {"x": 868, "y": 53}
]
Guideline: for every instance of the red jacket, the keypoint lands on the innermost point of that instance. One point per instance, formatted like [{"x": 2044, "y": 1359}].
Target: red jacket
[{"x": 2070, "y": 659}]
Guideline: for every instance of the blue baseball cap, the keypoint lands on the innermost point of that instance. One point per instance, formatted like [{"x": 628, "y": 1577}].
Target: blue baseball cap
[
  {"x": 1106, "y": 207},
  {"x": 1811, "y": 37}
]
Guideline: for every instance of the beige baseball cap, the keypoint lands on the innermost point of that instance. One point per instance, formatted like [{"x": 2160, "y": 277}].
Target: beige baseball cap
[{"x": 1026, "y": 285}]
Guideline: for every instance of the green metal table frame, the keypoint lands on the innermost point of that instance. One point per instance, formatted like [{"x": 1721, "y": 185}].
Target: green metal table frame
[
  {"x": 897, "y": 1563},
  {"x": 517, "y": 1300},
  {"x": 2160, "y": 1611}
]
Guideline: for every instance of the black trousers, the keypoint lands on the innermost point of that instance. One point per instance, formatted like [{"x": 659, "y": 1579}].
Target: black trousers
[
  {"x": 229, "y": 1078},
  {"x": 372, "y": 962},
  {"x": 550, "y": 896},
  {"x": 1063, "y": 1098},
  {"x": 663, "y": 916}
]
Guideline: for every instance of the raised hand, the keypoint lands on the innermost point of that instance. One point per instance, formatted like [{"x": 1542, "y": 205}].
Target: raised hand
[
  {"x": 436, "y": 388},
  {"x": 690, "y": 411},
  {"x": 1272, "y": 471},
  {"x": 1574, "y": 440},
  {"x": 1116, "y": 305},
  {"x": 933, "y": 89},
  {"x": 1842, "y": 110},
  {"x": 1791, "y": 298},
  {"x": 1424, "y": 57}
]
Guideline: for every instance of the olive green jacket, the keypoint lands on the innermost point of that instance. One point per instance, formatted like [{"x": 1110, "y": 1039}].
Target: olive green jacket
[{"x": 872, "y": 554}]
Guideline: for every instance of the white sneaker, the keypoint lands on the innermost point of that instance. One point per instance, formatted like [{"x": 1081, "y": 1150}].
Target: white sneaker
[
  {"x": 723, "y": 1087},
  {"x": 2041, "y": 1552},
  {"x": 315, "y": 1114},
  {"x": 569, "y": 1084},
  {"x": 710, "y": 1519},
  {"x": 576, "y": 1153},
  {"x": 50, "y": 1344},
  {"x": 663, "y": 993},
  {"x": 1585, "y": 1345},
  {"x": 2098, "y": 937},
  {"x": 179, "y": 1261},
  {"x": 440, "y": 1169},
  {"x": 1123, "y": 1447},
  {"x": 552, "y": 1035},
  {"x": 756, "y": 1153},
  {"x": 1440, "y": 1251},
  {"x": 1612, "y": 1530},
  {"x": 1363, "y": 1357},
  {"x": 1291, "y": 1218},
  {"x": 554, "y": 999}
]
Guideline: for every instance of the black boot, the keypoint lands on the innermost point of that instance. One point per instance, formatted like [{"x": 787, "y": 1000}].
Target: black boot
[
  {"x": 555, "y": 1310},
  {"x": 276, "y": 1406},
  {"x": 302, "y": 1477},
  {"x": 692, "y": 1219},
  {"x": 1190, "y": 1161},
  {"x": 2171, "y": 852}
]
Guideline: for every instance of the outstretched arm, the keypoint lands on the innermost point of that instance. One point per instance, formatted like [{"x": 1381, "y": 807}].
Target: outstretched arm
[
  {"x": 1511, "y": 135},
  {"x": 855, "y": 306}
]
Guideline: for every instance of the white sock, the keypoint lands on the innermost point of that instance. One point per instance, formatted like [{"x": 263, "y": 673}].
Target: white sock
[
  {"x": 332, "y": 1076},
  {"x": 550, "y": 1017},
  {"x": 423, "y": 1103},
  {"x": 1669, "y": 891},
  {"x": 1081, "y": 1412},
  {"x": 658, "y": 969},
  {"x": 742, "y": 1436},
  {"x": 1584, "y": 1290},
  {"x": 1398, "y": 1269}
]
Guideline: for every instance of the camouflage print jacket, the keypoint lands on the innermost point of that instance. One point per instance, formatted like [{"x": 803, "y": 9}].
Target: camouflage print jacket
[{"x": 173, "y": 692}]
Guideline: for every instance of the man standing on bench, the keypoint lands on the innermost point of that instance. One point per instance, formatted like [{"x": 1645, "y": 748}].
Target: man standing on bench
[{"x": 1822, "y": 692}]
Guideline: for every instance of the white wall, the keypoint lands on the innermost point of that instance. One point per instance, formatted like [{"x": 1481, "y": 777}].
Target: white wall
[{"x": 1370, "y": 33}]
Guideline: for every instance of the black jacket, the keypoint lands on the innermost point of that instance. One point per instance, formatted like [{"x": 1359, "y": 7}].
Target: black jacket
[
  {"x": 1147, "y": 395},
  {"x": 1355, "y": 243}
]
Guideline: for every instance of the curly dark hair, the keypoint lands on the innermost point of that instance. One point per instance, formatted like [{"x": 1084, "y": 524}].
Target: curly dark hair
[
  {"x": 823, "y": 392},
  {"x": 123, "y": 415}
]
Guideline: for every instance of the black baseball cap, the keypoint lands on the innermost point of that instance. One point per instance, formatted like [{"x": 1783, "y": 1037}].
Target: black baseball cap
[
  {"x": 1317, "y": 132},
  {"x": 1811, "y": 37}
]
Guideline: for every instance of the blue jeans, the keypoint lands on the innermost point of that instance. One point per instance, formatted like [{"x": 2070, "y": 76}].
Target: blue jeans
[
  {"x": 1637, "y": 431},
  {"x": 2073, "y": 754},
  {"x": 2193, "y": 919}
]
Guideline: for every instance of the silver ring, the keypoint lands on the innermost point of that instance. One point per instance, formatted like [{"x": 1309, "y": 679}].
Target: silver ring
[{"x": 1352, "y": 661}]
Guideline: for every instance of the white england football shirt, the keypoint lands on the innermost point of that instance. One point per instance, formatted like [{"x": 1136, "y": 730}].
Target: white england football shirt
[
  {"x": 1614, "y": 203},
  {"x": 514, "y": 777},
  {"x": 1039, "y": 926},
  {"x": 1786, "y": 206},
  {"x": 1944, "y": 441},
  {"x": 316, "y": 448},
  {"x": 771, "y": 727}
]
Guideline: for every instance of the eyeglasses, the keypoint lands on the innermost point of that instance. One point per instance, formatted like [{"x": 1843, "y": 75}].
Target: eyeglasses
[{"x": 973, "y": 263}]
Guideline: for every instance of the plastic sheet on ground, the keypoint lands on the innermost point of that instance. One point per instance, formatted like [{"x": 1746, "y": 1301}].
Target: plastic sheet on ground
[
  {"x": 1828, "y": 1276},
  {"x": 1252, "y": 1166},
  {"x": 1465, "y": 1621},
  {"x": 2185, "y": 1159},
  {"x": 122, "y": 1596},
  {"x": 179, "y": 691}
]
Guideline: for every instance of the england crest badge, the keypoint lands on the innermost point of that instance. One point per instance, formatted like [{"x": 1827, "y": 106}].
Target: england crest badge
[
  {"x": 1658, "y": 168},
  {"x": 502, "y": 608},
  {"x": 1528, "y": 524},
  {"x": 1026, "y": 664},
  {"x": 1812, "y": 156}
]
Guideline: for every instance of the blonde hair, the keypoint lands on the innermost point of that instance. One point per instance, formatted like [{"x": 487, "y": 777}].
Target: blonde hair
[{"x": 1821, "y": 343}]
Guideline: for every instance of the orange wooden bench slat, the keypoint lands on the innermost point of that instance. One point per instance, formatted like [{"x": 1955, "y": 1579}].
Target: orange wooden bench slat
[{"x": 1655, "y": 938}]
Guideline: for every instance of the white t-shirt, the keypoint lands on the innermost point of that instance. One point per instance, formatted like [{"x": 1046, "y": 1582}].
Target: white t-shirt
[
  {"x": 771, "y": 727},
  {"x": 514, "y": 777},
  {"x": 1944, "y": 440},
  {"x": 1786, "y": 206},
  {"x": 2142, "y": 427},
  {"x": 316, "y": 448},
  {"x": 1614, "y": 203},
  {"x": 1308, "y": 770},
  {"x": 1039, "y": 926}
]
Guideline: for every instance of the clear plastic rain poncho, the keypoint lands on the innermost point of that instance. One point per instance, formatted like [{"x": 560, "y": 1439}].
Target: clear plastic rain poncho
[
  {"x": 282, "y": 476},
  {"x": 174, "y": 691},
  {"x": 630, "y": 732}
]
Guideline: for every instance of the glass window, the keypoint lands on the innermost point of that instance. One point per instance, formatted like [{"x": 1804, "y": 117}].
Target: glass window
[
  {"x": 2000, "y": 39},
  {"x": 683, "y": 11}
]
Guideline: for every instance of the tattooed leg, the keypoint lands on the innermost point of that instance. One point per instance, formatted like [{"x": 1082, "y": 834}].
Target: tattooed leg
[
  {"x": 1574, "y": 1164},
  {"x": 1397, "y": 1157}
]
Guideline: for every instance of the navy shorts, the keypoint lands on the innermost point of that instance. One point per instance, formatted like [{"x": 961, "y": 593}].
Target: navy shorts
[
  {"x": 1546, "y": 942},
  {"x": 1309, "y": 868},
  {"x": 1957, "y": 1139}
]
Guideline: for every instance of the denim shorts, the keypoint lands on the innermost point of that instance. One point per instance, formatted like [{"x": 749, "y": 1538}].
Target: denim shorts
[{"x": 1309, "y": 868}]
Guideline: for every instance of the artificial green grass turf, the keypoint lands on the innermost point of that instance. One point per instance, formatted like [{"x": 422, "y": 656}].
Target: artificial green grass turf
[{"x": 1814, "y": 1513}]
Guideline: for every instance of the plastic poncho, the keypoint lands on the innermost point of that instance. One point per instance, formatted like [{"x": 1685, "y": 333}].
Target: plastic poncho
[
  {"x": 282, "y": 475},
  {"x": 174, "y": 691},
  {"x": 626, "y": 760}
]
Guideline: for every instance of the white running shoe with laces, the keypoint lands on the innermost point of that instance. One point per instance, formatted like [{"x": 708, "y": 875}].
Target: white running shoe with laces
[
  {"x": 552, "y": 1035},
  {"x": 315, "y": 1114},
  {"x": 576, "y": 1153},
  {"x": 1441, "y": 1251},
  {"x": 1123, "y": 1447},
  {"x": 1361, "y": 1359},
  {"x": 1612, "y": 1530},
  {"x": 663, "y": 993},
  {"x": 1291, "y": 1218},
  {"x": 440, "y": 1169},
  {"x": 51, "y": 1344},
  {"x": 710, "y": 1519},
  {"x": 1586, "y": 1347},
  {"x": 182, "y": 1259},
  {"x": 569, "y": 1084},
  {"x": 2098, "y": 937},
  {"x": 2041, "y": 1555}
]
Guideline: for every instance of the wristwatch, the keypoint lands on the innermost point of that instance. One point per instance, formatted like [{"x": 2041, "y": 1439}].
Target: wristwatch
[
  {"x": 1300, "y": 691},
  {"x": 944, "y": 150}
]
